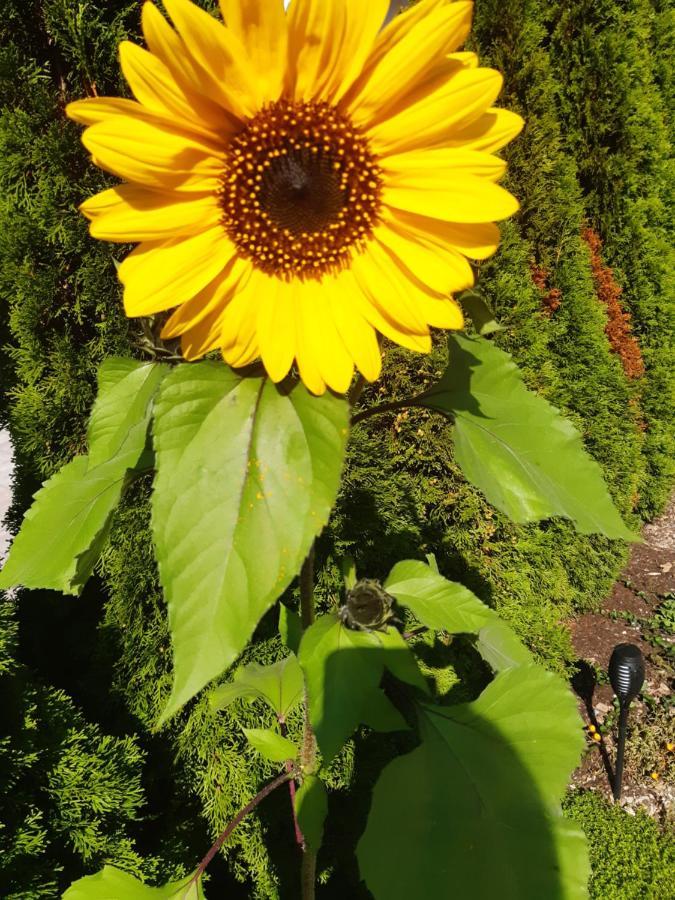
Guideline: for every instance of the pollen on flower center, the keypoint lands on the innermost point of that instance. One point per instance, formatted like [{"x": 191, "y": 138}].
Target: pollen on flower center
[{"x": 301, "y": 189}]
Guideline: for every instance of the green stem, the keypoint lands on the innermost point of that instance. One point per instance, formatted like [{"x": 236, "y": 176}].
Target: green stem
[
  {"x": 272, "y": 786},
  {"x": 307, "y": 591},
  {"x": 354, "y": 394},
  {"x": 308, "y": 875},
  {"x": 384, "y": 408},
  {"x": 308, "y": 749}
]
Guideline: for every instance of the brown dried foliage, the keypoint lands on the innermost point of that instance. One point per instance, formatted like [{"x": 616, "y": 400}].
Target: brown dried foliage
[
  {"x": 550, "y": 297},
  {"x": 618, "y": 328}
]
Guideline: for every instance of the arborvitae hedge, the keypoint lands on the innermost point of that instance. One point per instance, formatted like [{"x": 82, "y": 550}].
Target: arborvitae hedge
[
  {"x": 60, "y": 314},
  {"x": 616, "y": 96}
]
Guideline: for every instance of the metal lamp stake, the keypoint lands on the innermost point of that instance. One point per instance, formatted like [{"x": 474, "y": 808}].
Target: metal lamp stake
[{"x": 627, "y": 674}]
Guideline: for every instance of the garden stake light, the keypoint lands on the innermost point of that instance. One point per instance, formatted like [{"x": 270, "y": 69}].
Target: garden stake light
[{"x": 627, "y": 674}]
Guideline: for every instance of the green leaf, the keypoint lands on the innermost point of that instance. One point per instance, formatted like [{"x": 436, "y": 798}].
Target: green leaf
[
  {"x": 500, "y": 647},
  {"x": 121, "y": 413},
  {"x": 64, "y": 530},
  {"x": 400, "y": 660},
  {"x": 290, "y": 627},
  {"x": 311, "y": 808},
  {"x": 380, "y": 714},
  {"x": 247, "y": 476},
  {"x": 280, "y": 685},
  {"x": 437, "y": 603},
  {"x": 343, "y": 669},
  {"x": 515, "y": 447},
  {"x": 480, "y": 313},
  {"x": 474, "y": 810},
  {"x": 271, "y": 745},
  {"x": 113, "y": 884}
]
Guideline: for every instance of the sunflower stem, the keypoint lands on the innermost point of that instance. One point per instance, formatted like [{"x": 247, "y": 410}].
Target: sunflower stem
[
  {"x": 308, "y": 749},
  {"x": 385, "y": 408},
  {"x": 356, "y": 390},
  {"x": 307, "y": 591},
  {"x": 241, "y": 815},
  {"x": 308, "y": 881}
]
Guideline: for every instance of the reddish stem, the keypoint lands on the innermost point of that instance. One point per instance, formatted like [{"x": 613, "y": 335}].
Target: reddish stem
[
  {"x": 299, "y": 837},
  {"x": 272, "y": 786}
]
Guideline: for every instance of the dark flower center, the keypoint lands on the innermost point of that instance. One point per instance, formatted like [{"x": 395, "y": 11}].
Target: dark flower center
[{"x": 301, "y": 190}]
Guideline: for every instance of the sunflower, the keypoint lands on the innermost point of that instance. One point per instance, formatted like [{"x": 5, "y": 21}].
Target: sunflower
[{"x": 298, "y": 182}]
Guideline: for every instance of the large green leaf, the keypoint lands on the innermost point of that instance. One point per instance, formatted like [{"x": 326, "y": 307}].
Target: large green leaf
[
  {"x": 290, "y": 628},
  {"x": 247, "y": 476},
  {"x": 500, "y": 647},
  {"x": 280, "y": 685},
  {"x": 437, "y": 603},
  {"x": 63, "y": 531},
  {"x": 474, "y": 810},
  {"x": 113, "y": 884},
  {"x": 343, "y": 669},
  {"x": 400, "y": 660},
  {"x": 447, "y": 606},
  {"x": 515, "y": 447}
]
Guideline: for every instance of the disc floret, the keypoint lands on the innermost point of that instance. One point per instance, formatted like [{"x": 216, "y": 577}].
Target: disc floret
[{"x": 301, "y": 189}]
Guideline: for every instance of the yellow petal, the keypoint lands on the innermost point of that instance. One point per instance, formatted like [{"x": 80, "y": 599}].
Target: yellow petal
[
  {"x": 159, "y": 276},
  {"x": 329, "y": 41},
  {"x": 169, "y": 47},
  {"x": 260, "y": 26},
  {"x": 333, "y": 359},
  {"x": 155, "y": 87},
  {"x": 490, "y": 132},
  {"x": 204, "y": 336},
  {"x": 276, "y": 325},
  {"x": 102, "y": 203},
  {"x": 98, "y": 109},
  {"x": 220, "y": 56},
  {"x": 306, "y": 351},
  {"x": 359, "y": 288},
  {"x": 442, "y": 161},
  {"x": 206, "y": 331},
  {"x": 466, "y": 58},
  {"x": 430, "y": 39},
  {"x": 432, "y": 119},
  {"x": 239, "y": 333},
  {"x": 400, "y": 26},
  {"x": 452, "y": 198},
  {"x": 357, "y": 334},
  {"x": 383, "y": 286},
  {"x": 199, "y": 341},
  {"x": 154, "y": 155},
  {"x": 202, "y": 311},
  {"x": 129, "y": 213},
  {"x": 477, "y": 241},
  {"x": 93, "y": 110},
  {"x": 442, "y": 271}
]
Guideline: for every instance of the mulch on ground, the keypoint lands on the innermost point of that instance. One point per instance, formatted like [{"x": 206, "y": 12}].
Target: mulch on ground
[{"x": 646, "y": 586}]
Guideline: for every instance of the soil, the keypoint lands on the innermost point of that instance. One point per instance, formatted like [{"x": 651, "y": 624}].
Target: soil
[{"x": 627, "y": 617}]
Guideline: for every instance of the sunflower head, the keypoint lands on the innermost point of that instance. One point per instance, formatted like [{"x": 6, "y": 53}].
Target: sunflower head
[{"x": 301, "y": 182}]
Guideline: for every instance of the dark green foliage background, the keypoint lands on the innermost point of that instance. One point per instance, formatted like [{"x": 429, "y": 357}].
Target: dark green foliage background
[{"x": 82, "y": 777}]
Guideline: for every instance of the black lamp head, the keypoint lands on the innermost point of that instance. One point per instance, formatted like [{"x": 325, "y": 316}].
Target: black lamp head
[{"x": 626, "y": 671}]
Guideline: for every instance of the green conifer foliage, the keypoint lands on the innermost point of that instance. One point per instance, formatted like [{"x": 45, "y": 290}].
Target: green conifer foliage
[
  {"x": 403, "y": 496},
  {"x": 616, "y": 88},
  {"x": 69, "y": 792}
]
